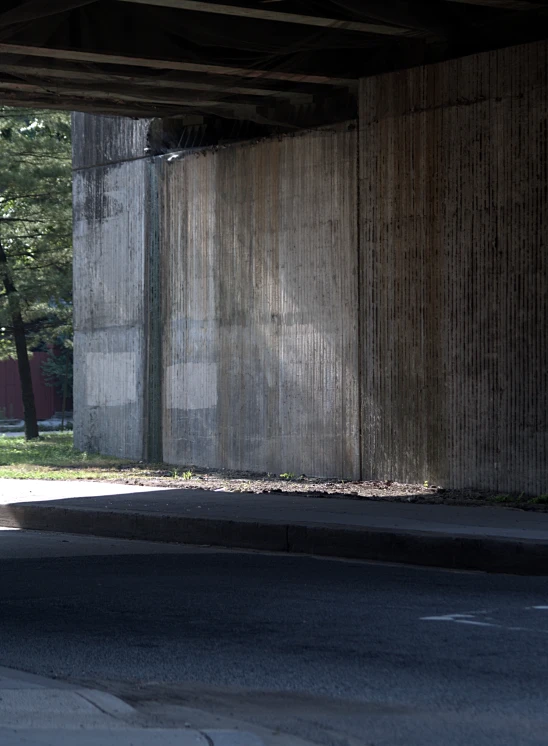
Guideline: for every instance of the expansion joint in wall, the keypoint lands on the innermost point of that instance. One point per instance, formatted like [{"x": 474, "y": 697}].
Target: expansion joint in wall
[{"x": 153, "y": 449}]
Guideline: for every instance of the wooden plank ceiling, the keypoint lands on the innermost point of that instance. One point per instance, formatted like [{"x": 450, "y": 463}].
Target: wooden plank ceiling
[{"x": 281, "y": 62}]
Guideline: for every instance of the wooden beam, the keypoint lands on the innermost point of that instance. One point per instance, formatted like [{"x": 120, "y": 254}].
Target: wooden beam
[
  {"x": 8, "y": 98},
  {"x": 502, "y": 4},
  {"x": 145, "y": 95},
  {"x": 48, "y": 72},
  {"x": 97, "y": 101},
  {"x": 156, "y": 64},
  {"x": 119, "y": 97},
  {"x": 262, "y": 14},
  {"x": 34, "y": 9},
  {"x": 94, "y": 100}
]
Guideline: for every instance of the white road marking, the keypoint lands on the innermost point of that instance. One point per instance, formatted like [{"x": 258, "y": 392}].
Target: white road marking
[
  {"x": 470, "y": 619},
  {"x": 458, "y": 619}
]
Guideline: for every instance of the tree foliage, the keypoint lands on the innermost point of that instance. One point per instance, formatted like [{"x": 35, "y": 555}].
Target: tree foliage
[
  {"x": 57, "y": 370},
  {"x": 36, "y": 226}
]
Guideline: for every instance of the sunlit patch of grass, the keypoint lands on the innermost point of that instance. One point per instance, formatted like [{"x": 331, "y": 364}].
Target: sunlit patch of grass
[{"x": 52, "y": 456}]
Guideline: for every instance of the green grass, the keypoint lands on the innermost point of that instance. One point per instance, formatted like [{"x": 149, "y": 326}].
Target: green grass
[
  {"x": 540, "y": 500},
  {"x": 52, "y": 456},
  {"x": 504, "y": 499},
  {"x": 520, "y": 501}
]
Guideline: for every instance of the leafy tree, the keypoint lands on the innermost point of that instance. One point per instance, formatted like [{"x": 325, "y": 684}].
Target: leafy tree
[{"x": 35, "y": 239}]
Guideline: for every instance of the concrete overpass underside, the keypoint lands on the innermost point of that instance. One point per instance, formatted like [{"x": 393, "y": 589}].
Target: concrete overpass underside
[{"x": 309, "y": 236}]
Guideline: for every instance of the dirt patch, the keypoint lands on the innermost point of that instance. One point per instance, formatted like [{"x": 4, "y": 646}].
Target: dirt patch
[{"x": 227, "y": 480}]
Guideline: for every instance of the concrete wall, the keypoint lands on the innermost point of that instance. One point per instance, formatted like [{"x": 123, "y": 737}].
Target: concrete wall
[
  {"x": 230, "y": 313},
  {"x": 454, "y": 229},
  {"x": 110, "y": 304},
  {"x": 100, "y": 141},
  {"x": 259, "y": 288}
]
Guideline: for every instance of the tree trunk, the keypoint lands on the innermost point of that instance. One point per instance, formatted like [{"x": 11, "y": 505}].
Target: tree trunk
[{"x": 20, "y": 338}]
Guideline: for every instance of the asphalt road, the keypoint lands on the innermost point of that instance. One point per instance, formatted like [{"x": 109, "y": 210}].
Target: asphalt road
[{"x": 335, "y": 652}]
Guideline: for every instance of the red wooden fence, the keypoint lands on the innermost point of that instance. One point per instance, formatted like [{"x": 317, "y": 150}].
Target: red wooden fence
[{"x": 11, "y": 405}]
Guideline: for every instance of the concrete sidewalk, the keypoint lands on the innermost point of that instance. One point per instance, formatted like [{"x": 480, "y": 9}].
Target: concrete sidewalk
[
  {"x": 45, "y": 712},
  {"x": 492, "y": 539},
  {"x": 36, "y": 711}
]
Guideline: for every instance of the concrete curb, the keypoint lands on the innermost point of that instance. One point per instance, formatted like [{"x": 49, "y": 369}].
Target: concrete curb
[
  {"x": 432, "y": 549},
  {"x": 107, "y": 703}
]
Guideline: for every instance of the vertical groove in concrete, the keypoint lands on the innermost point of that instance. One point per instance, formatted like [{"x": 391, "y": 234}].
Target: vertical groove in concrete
[
  {"x": 359, "y": 305},
  {"x": 153, "y": 313},
  {"x": 454, "y": 176}
]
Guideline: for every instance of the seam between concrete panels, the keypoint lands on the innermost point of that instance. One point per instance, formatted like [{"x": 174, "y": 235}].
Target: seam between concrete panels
[
  {"x": 359, "y": 304},
  {"x": 153, "y": 449}
]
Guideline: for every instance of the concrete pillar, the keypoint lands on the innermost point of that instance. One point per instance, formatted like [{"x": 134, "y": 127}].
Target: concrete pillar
[
  {"x": 454, "y": 247},
  {"x": 110, "y": 272}
]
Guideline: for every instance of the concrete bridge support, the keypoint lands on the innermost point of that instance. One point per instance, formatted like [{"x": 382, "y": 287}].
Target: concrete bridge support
[
  {"x": 454, "y": 248},
  {"x": 363, "y": 300}
]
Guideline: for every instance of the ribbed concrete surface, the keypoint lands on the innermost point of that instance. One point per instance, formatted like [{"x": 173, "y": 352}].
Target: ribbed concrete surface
[
  {"x": 259, "y": 286},
  {"x": 98, "y": 141},
  {"x": 454, "y": 275},
  {"x": 110, "y": 308}
]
